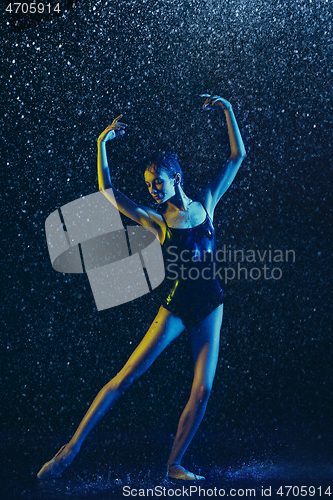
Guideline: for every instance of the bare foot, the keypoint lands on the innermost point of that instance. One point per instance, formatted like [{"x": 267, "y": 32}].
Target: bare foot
[
  {"x": 176, "y": 471},
  {"x": 58, "y": 464}
]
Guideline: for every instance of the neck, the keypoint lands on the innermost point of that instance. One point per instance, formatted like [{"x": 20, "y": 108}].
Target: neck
[{"x": 180, "y": 201}]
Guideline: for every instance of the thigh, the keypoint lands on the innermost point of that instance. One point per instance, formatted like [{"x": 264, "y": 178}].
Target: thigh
[
  {"x": 163, "y": 330},
  {"x": 205, "y": 340}
]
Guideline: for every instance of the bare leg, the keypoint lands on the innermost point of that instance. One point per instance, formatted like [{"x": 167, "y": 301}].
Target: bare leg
[
  {"x": 205, "y": 347},
  {"x": 165, "y": 328}
]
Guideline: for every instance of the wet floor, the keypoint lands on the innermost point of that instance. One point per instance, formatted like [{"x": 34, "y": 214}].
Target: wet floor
[{"x": 268, "y": 467}]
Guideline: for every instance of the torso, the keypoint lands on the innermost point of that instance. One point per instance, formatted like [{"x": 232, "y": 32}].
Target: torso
[
  {"x": 193, "y": 216},
  {"x": 189, "y": 254}
]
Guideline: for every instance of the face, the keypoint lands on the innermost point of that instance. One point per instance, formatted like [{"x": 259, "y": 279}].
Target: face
[{"x": 159, "y": 185}]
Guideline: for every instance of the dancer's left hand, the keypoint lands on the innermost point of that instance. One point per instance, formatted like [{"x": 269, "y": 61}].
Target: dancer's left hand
[
  {"x": 114, "y": 130},
  {"x": 214, "y": 101}
]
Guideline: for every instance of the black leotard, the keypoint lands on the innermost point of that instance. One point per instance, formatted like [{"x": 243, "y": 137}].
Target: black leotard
[{"x": 191, "y": 266}]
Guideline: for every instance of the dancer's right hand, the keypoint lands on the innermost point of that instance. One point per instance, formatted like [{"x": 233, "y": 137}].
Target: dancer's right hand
[{"x": 116, "y": 128}]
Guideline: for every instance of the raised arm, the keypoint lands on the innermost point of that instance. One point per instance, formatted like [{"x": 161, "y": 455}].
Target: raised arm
[
  {"x": 211, "y": 195},
  {"x": 142, "y": 215}
]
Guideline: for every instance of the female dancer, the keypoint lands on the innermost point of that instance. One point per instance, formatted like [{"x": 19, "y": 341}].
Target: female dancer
[{"x": 186, "y": 232}]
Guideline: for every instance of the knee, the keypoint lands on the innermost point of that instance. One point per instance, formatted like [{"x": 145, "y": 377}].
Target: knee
[
  {"x": 202, "y": 393},
  {"x": 122, "y": 381}
]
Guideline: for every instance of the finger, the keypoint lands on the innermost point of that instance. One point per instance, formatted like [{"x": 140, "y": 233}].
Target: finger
[
  {"x": 115, "y": 120},
  {"x": 207, "y": 102},
  {"x": 225, "y": 104},
  {"x": 209, "y": 97},
  {"x": 205, "y": 95},
  {"x": 216, "y": 98}
]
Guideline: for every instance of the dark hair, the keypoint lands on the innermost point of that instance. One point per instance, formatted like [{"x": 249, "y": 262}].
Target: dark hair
[{"x": 167, "y": 162}]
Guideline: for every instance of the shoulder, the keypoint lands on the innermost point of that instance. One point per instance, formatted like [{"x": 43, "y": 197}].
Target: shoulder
[
  {"x": 154, "y": 215},
  {"x": 205, "y": 198},
  {"x": 158, "y": 225}
]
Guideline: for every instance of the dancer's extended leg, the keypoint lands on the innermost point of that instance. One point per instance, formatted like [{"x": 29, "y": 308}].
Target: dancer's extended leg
[
  {"x": 165, "y": 328},
  {"x": 205, "y": 346}
]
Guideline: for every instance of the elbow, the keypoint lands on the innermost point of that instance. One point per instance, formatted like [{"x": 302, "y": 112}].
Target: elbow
[
  {"x": 238, "y": 157},
  {"x": 104, "y": 191},
  {"x": 242, "y": 153},
  {"x": 103, "y": 187}
]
